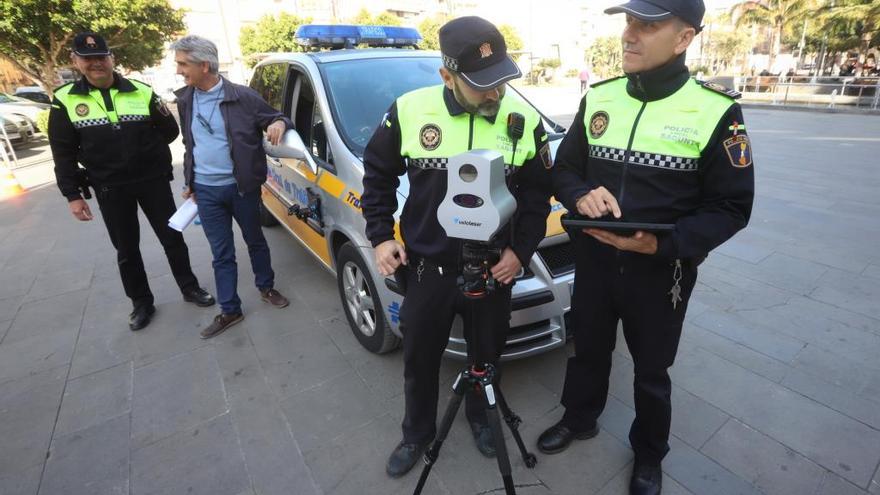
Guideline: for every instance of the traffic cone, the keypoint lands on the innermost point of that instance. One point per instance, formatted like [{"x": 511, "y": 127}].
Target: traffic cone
[{"x": 9, "y": 185}]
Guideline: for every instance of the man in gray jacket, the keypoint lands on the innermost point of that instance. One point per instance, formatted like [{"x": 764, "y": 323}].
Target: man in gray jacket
[{"x": 224, "y": 167}]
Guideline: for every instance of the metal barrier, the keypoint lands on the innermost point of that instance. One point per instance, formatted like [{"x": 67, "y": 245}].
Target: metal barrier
[{"x": 861, "y": 92}]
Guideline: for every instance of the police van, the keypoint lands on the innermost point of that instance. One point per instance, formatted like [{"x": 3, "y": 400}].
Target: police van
[{"x": 336, "y": 95}]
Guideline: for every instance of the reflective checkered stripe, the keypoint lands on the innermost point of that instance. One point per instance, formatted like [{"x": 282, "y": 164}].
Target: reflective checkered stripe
[
  {"x": 87, "y": 110},
  {"x": 133, "y": 118},
  {"x": 79, "y": 124},
  {"x": 428, "y": 163},
  {"x": 681, "y": 163},
  {"x": 429, "y": 135}
]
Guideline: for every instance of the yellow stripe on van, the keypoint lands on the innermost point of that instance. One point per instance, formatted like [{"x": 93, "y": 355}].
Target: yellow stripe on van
[
  {"x": 331, "y": 184},
  {"x": 300, "y": 167}
]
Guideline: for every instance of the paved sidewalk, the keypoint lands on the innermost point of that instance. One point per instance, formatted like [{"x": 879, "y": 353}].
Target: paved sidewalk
[{"x": 776, "y": 386}]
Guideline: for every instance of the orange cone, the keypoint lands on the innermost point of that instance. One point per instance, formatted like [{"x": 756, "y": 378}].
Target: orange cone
[{"x": 9, "y": 185}]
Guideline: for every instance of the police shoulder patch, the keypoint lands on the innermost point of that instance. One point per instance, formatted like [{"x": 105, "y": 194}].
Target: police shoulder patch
[
  {"x": 718, "y": 88},
  {"x": 739, "y": 150},
  {"x": 546, "y": 156},
  {"x": 82, "y": 109},
  {"x": 430, "y": 136}
]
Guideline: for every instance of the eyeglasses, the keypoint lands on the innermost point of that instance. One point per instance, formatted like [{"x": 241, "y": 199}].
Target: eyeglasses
[{"x": 204, "y": 122}]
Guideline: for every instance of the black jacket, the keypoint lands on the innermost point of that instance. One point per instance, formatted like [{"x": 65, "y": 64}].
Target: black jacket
[
  {"x": 706, "y": 212},
  {"x": 246, "y": 115},
  {"x": 132, "y": 151},
  {"x": 422, "y": 233}
]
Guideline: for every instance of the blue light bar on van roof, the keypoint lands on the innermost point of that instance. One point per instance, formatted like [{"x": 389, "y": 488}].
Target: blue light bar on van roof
[{"x": 348, "y": 36}]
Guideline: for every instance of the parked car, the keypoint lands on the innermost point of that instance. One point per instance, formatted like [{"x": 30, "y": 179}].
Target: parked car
[
  {"x": 336, "y": 98},
  {"x": 29, "y": 109},
  {"x": 33, "y": 93},
  {"x": 17, "y": 129}
]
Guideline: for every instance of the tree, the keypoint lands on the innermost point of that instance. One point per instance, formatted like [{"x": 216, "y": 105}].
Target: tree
[
  {"x": 511, "y": 37},
  {"x": 726, "y": 47},
  {"x": 364, "y": 18},
  {"x": 35, "y": 35},
  {"x": 773, "y": 14},
  {"x": 430, "y": 29},
  {"x": 606, "y": 56},
  {"x": 856, "y": 23},
  {"x": 271, "y": 34}
]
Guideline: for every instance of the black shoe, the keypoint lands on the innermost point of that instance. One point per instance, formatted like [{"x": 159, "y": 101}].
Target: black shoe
[
  {"x": 140, "y": 317},
  {"x": 198, "y": 296},
  {"x": 558, "y": 437},
  {"x": 404, "y": 457},
  {"x": 484, "y": 439},
  {"x": 646, "y": 479}
]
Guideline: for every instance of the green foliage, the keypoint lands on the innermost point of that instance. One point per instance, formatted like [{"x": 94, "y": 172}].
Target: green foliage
[
  {"x": 549, "y": 63},
  {"x": 271, "y": 34},
  {"x": 429, "y": 29},
  {"x": 606, "y": 56},
  {"x": 851, "y": 24},
  {"x": 364, "y": 18},
  {"x": 35, "y": 35},
  {"x": 511, "y": 37},
  {"x": 43, "y": 121},
  {"x": 725, "y": 48}
]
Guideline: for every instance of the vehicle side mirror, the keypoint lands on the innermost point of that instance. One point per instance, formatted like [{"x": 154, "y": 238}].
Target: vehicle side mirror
[{"x": 291, "y": 146}]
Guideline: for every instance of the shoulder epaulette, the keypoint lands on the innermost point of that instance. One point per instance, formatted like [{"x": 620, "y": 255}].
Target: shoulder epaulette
[
  {"x": 606, "y": 81},
  {"x": 718, "y": 88}
]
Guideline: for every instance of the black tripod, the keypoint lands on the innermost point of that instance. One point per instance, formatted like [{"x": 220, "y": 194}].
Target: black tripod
[{"x": 480, "y": 379}]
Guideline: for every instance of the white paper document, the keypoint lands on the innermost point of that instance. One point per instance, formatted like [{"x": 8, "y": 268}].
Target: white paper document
[{"x": 184, "y": 215}]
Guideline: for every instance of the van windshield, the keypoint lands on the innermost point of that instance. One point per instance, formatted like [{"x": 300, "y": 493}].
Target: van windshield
[{"x": 360, "y": 91}]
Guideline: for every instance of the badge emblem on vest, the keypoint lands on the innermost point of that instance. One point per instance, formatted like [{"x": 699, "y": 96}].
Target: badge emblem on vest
[
  {"x": 485, "y": 50},
  {"x": 598, "y": 124},
  {"x": 430, "y": 137},
  {"x": 82, "y": 109},
  {"x": 739, "y": 150}
]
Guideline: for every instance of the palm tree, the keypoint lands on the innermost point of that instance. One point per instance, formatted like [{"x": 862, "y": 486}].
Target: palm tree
[
  {"x": 773, "y": 14},
  {"x": 860, "y": 17}
]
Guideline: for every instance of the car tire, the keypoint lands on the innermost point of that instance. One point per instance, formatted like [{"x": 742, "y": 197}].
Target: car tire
[
  {"x": 361, "y": 303},
  {"x": 266, "y": 218}
]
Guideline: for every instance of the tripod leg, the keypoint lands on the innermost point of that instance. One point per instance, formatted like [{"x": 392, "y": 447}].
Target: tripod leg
[
  {"x": 431, "y": 455},
  {"x": 494, "y": 417},
  {"x": 513, "y": 423}
]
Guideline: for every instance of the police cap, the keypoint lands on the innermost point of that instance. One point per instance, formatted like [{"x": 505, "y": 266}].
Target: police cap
[
  {"x": 689, "y": 11},
  {"x": 90, "y": 44},
  {"x": 474, "y": 48}
]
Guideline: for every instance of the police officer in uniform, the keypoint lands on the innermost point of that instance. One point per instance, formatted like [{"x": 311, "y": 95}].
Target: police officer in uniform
[
  {"x": 421, "y": 130},
  {"x": 651, "y": 146},
  {"x": 120, "y": 130}
]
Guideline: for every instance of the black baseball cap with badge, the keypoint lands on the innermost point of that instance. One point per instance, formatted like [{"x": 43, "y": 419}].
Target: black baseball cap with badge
[
  {"x": 689, "y": 11},
  {"x": 474, "y": 48},
  {"x": 90, "y": 45}
]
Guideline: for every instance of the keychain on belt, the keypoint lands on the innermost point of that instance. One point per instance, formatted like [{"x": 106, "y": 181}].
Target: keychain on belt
[{"x": 675, "y": 292}]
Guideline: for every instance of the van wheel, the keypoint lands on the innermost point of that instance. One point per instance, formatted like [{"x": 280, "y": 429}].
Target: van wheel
[
  {"x": 361, "y": 302},
  {"x": 266, "y": 218}
]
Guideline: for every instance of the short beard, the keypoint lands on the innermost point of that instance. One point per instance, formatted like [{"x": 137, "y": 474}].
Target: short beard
[{"x": 486, "y": 109}]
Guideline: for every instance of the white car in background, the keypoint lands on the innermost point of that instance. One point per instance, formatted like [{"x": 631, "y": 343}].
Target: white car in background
[{"x": 13, "y": 105}]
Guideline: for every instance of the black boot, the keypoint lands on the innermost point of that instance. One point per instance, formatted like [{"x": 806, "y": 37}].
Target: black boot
[
  {"x": 559, "y": 436},
  {"x": 484, "y": 439},
  {"x": 403, "y": 458},
  {"x": 647, "y": 479},
  {"x": 140, "y": 317}
]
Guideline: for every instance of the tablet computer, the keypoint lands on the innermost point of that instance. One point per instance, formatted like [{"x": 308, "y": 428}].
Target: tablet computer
[{"x": 616, "y": 226}]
